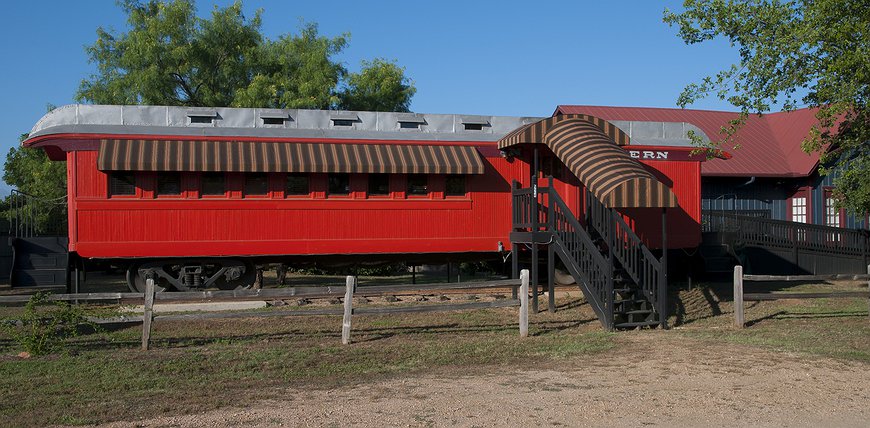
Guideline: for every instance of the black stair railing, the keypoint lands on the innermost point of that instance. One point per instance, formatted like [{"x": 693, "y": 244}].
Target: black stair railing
[
  {"x": 582, "y": 257},
  {"x": 523, "y": 217},
  {"x": 31, "y": 216},
  {"x": 635, "y": 258}
]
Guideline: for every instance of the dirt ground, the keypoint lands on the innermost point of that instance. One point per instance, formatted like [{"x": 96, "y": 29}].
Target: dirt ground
[{"x": 678, "y": 382}]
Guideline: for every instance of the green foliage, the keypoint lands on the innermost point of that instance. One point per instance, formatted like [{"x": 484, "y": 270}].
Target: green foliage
[
  {"x": 46, "y": 325},
  {"x": 796, "y": 53},
  {"x": 33, "y": 173},
  {"x": 169, "y": 56},
  {"x": 380, "y": 86},
  {"x": 295, "y": 72}
]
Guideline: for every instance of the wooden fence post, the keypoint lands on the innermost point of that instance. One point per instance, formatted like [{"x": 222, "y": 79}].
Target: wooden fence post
[
  {"x": 348, "y": 309},
  {"x": 738, "y": 296},
  {"x": 148, "y": 313},
  {"x": 524, "y": 303}
]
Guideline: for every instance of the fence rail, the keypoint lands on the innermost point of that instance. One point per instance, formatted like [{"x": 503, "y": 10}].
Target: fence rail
[
  {"x": 267, "y": 293},
  {"x": 740, "y": 297},
  {"x": 349, "y": 290}
]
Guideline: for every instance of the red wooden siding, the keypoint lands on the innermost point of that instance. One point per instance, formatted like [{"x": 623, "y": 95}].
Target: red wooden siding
[
  {"x": 683, "y": 222},
  {"x": 145, "y": 226}
]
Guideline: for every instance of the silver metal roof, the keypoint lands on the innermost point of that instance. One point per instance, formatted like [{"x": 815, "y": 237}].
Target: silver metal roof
[{"x": 298, "y": 123}]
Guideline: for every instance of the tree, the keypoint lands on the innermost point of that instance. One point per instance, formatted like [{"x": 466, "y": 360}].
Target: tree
[
  {"x": 380, "y": 86},
  {"x": 796, "y": 53},
  {"x": 44, "y": 184},
  {"x": 170, "y": 56}
]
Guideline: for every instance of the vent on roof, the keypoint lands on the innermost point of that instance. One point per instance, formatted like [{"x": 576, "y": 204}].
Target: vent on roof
[
  {"x": 343, "y": 119},
  {"x": 275, "y": 119},
  {"x": 206, "y": 117},
  {"x": 411, "y": 121},
  {"x": 474, "y": 123}
]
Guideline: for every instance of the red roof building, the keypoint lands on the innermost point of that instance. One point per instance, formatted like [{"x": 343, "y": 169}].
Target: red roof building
[{"x": 769, "y": 145}]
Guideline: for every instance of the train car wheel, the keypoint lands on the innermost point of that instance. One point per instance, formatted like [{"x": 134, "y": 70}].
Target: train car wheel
[
  {"x": 193, "y": 274},
  {"x": 245, "y": 280},
  {"x": 136, "y": 283}
]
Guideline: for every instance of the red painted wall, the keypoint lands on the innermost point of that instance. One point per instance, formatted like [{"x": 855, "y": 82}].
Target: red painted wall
[
  {"x": 145, "y": 226},
  {"x": 683, "y": 223}
]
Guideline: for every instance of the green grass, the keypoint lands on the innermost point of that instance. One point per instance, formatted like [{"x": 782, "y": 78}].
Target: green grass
[
  {"x": 200, "y": 365},
  {"x": 836, "y": 328},
  {"x": 203, "y": 365}
]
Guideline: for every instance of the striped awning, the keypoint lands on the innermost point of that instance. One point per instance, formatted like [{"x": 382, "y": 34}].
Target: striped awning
[
  {"x": 256, "y": 156},
  {"x": 590, "y": 148}
]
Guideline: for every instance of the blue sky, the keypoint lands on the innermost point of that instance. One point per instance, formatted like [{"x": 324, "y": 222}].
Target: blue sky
[{"x": 471, "y": 57}]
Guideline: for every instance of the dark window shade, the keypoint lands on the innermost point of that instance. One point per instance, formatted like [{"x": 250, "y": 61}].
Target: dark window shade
[
  {"x": 256, "y": 184},
  {"x": 273, "y": 120},
  {"x": 168, "y": 183},
  {"x": 297, "y": 184},
  {"x": 122, "y": 184},
  {"x": 418, "y": 184},
  {"x": 339, "y": 184},
  {"x": 201, "y": 119},
  {"x": 455, "y": 185},
  {"x": 213, "y": 184},
  {"x": 379, "y": 184}
]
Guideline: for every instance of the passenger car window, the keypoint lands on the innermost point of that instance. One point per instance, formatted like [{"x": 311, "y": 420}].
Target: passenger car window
[
  {"x": 168, "y": 184},
  {"x": 122, "y": 184},
  {"x": 339, "y": 184},
  {"x": 212, "y": 184},
  {"x": 256, "y": 184},
  {"x": 297, "y": 184},
  {"x": 418, "y": 184}
]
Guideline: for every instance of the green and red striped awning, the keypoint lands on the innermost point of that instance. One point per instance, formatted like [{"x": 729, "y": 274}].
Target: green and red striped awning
[
  {"x": 256, "y": 156},
  {"x": 590, "y": 148}
]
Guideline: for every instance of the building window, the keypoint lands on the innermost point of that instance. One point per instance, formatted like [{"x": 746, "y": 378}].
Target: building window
[
  {"x": 168, "y": 184},
  {"x": 339, "y": 184},
  {"x": 455, "y": 185},
  {"x": 212, "y": 184},
  {"x": 256, "y": 184},
  {"x": 832, "y": 213},
  {"x": 122, "y": 184},
  {"x": 418, "y": 184},
  {"x": 799, "y": 209},
  {"x": 379, "y": 184},
  {"x": 297, "y": 185}
]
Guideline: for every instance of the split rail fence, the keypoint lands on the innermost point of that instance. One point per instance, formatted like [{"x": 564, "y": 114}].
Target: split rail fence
[
  {"x": 740, "y": 296},
  {"x": 348, "y": 291}
]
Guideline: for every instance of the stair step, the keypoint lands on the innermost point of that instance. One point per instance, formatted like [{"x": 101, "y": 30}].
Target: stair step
[
  {"x": 38, "y": 277},
  {"x": 634, "y": 312},
  {"x": 628, "y": 301},
  {"x": 636, "y": 324}
]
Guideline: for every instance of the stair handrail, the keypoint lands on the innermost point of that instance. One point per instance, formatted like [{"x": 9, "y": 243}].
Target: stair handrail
[
  {"x": 582, "y": 255},
  {"x": 635, "y": 257},
  {"x": 24, "y": 210}
]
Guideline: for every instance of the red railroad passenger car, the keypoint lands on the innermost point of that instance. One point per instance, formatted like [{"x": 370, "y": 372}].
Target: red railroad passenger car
[{"x": 200, "y": 196}]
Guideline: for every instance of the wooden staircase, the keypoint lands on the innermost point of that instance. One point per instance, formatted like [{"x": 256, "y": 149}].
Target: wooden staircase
[
  {"x": 623, "y": 281},
  {"x": 40, "y": 248}
]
